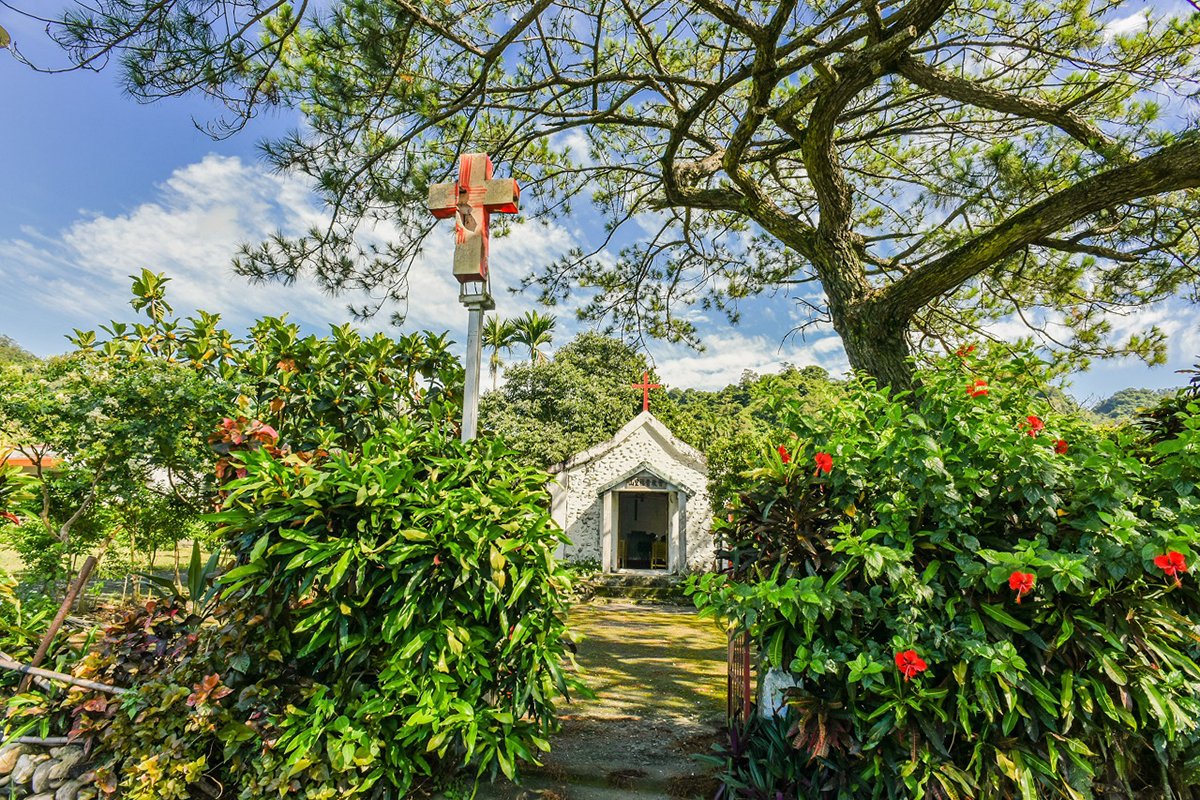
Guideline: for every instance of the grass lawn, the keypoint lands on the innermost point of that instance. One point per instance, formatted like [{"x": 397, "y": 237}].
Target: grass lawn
[
  {"x": 164, "y": 561},
  {"x": 659, "y": 678},
  {"x": 649, "y": 662}
]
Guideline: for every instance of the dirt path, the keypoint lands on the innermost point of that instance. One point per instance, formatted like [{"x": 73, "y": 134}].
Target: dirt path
[{"x": 659, "y": 678}]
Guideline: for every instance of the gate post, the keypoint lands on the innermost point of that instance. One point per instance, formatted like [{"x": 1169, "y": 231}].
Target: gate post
[{"x": 739, "y": 684}]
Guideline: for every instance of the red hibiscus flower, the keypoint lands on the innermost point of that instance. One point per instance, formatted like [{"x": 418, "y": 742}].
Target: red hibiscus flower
[
  {"x": 1021, "y": 583},
  {"x": 1061, "y": 446},
  {"x": 11, "y": 517},
  {"x": 909, "y": 663},
  {"x": 965, "y": 351},
  {"x": 1035, "y": 424},
  {"x": 1173, "y": 564},
  {"x": 783, "y": 454},
  {"x": 824, "y": 462},
  {"x": 977, "y": 389}
]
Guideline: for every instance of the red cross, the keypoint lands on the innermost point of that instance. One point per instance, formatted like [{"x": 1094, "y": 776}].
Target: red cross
[
  {"x": 471, "y": 200},
  {"x": 646, "y": 386}
]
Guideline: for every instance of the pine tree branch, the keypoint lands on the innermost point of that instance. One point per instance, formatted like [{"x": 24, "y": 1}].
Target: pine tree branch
[
  {"x": 842, "y": 83},
  {"x": 1173, "y": 168},
  {"x": 973, "y": 93},
  {"x": 1083, "y": 248}
]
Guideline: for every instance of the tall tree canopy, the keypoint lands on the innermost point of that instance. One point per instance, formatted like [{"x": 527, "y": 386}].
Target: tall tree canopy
[
  {"x": 550, "y": 409},
  {"x": 910, "y": 170}
]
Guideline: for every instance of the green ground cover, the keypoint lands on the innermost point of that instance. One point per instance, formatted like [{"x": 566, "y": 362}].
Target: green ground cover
[{"x": 640, "y": 662}]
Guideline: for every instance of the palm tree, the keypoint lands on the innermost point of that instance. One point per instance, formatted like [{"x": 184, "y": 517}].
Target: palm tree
[
  {"x": 535, "y": 331},
  {"x": 498, "y": 335}
]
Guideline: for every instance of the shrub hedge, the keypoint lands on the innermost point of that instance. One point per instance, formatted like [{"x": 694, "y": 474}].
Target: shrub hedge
[
  {"x": 395, "y": 614},
  {"x": 978, "y": 593}
]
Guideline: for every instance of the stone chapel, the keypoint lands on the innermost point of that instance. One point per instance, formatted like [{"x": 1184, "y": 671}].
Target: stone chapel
[{"x": 638, "y": 502}]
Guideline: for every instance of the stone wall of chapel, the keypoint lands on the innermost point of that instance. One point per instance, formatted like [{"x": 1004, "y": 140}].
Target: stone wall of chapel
[
  {"x": 583, "y": 518},
  {"x": 583, "y": 528}
]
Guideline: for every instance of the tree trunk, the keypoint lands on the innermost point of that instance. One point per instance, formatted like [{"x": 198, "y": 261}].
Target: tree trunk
[
  {"x": 133, "y": 563},
  {"x": 876, "y": 344},
  {"x": 881, "y": 350}
]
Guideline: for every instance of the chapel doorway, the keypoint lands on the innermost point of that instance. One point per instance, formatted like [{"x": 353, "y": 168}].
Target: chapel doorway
[{"x": 643, "y": 530}]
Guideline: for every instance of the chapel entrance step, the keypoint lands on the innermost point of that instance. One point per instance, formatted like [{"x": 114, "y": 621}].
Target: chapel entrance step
[{"x": 637, "y": 586}]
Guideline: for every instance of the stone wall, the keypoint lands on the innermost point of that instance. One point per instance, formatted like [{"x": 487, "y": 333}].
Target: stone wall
[{"x": 28, "y": 772}]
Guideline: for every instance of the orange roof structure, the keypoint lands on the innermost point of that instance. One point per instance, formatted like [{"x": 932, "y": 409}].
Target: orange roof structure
[{"x": 13, "y": 458}]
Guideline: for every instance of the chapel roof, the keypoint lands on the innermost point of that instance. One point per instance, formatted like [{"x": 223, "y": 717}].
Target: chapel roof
[
  {"x": 679, "y": 449},
  {"x": 644, "y": 468}
]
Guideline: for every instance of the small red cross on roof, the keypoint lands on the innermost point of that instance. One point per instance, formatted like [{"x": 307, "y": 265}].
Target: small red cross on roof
[{"x": 646, "y": 386}]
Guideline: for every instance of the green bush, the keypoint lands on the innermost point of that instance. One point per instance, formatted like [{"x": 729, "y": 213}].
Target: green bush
[
  {"x": 319, "y": 392},
  {"x": 25, "y": 615},
  {"x": 121, "y": 436},
  {"x": 974, "y": 591},
  {"x": 203, "y": 719},
  {"x": 1165, "y": 419},
  {"x": 412, "y": 586}
]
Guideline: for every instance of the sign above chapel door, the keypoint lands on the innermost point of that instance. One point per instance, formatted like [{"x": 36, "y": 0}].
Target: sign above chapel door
[{"x": 647, "y": 481}]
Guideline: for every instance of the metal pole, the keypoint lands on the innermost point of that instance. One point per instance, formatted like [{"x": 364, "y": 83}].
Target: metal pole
[{"x": 476, "y": 304}]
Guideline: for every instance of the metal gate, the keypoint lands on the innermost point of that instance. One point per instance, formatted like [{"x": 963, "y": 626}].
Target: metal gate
[{"x": 740, "y": 682}]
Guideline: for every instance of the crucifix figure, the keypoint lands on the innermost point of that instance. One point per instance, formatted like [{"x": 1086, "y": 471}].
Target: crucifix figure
[
  {"x": 646, "y": 386},
  {"x": 471, "y": 200}
]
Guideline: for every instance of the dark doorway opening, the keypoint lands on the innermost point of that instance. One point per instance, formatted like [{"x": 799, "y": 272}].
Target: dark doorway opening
[{"x": 643, "y": 528}]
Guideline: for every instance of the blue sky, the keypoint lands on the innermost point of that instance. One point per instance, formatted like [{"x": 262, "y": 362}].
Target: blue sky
[{"x": 94, "y": 187}]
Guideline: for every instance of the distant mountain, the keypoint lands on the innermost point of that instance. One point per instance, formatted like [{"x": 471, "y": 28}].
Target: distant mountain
[
  {"x": 1125, "y": 403},
  {"x": 13, "y": 353}
]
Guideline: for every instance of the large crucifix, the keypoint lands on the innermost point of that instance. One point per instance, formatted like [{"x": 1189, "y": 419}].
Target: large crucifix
[
  {"x": 471, "y": 200},
  {"x": 646, "y": 386}
]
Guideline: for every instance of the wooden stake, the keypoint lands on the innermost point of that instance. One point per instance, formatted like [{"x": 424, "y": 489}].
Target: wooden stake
[
  {"x": 41, "y": 683},
  {"x": 63, "y": 610},
  {"x": 62, "y": 677},
  {"x": 52, "y": 741}
]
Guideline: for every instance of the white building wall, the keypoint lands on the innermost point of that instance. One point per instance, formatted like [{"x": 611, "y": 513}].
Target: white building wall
[{"x": 577, "y": 495}]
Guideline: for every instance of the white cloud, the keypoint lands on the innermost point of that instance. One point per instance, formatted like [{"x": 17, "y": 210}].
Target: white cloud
[
  {"x": 827, "y": 344},
  {"x": 1125, "y": 25},
  {"x": 577, "y": 145},
  {"x": 191, "y": 231},
  {"x": 1179, "y": 321},
  {"x": 1133, "y": 23},
  {"x": 78, "y": 277},
  {"x": 1184, "y": 344},
  {"x": 729, "y": 353}
]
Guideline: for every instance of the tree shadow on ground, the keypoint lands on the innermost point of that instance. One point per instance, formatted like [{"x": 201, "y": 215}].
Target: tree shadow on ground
[{"x": 649, "y": 663}]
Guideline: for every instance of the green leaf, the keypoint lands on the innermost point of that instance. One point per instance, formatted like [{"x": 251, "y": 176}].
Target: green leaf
[
  {"x": 1113, "y": 670},
  {"x": 1003, "y": 617},
  {"x": 195, "y": 574}
]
